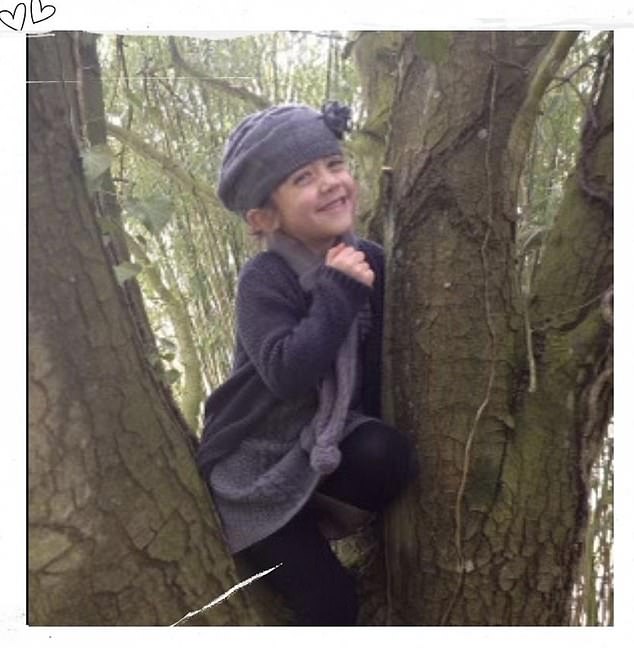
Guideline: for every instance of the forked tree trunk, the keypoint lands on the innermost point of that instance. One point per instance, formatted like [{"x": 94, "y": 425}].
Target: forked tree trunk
[
  {"x": 121, "y": 529},
  {"x": 120, "y": 524},
  {"x": 491, "y": 533}
]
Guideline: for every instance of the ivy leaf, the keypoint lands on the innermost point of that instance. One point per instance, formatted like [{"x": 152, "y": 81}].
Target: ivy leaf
[
  {"x": 171, "y": 376},
  {"x": 126, "y": 270},
  {"x": 95, "y": 161},
  {"x": 166, "y": 343},
  {"x": 154, "y": 359},
  {"x": 154, "y": 213}
]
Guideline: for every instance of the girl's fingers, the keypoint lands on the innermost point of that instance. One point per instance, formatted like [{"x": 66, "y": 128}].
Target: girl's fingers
[
  {"x": 366, "y": 277},
  {"x": 334, "y": 251},
  {"x": 340, "y": 252},
  {"x": 350, "y": 261},
  {"x": 352, "y": 255}
]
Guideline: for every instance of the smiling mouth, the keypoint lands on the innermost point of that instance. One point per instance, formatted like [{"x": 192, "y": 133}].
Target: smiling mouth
[{"x": 333, "y": 204}]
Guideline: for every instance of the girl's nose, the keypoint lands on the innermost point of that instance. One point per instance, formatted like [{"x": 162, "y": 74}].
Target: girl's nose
[{"x": 327, "y": 180}]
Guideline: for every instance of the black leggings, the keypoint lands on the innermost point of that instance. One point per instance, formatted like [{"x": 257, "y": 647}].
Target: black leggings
[{"x": 377, "y": 461}]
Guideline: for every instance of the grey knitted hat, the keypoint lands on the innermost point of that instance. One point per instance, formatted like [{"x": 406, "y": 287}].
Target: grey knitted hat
[{"x": 267, "y": 146}]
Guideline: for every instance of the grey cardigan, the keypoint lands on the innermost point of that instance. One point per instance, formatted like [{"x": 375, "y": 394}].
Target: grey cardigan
[{"x": 286, "y": 341}]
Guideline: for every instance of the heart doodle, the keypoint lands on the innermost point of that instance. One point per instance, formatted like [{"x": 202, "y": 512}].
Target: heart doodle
[
  {"x": 39, "y": 12},
  {"x": 15, "y": 17}
]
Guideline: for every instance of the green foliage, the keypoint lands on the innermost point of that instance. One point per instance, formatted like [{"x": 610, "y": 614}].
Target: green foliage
[
  {"x": 126, "y": 270},
  {"x": 96, "y": 160},
  {"x": 171, "y": 376},
  {"x": 153, "y": 213}
]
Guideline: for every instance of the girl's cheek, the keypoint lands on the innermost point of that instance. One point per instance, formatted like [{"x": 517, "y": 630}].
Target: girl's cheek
[{"x": 355, "y": 192}]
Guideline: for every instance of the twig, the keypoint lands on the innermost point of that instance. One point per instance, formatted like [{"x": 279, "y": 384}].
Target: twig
[
  {"x": 218, "y": 83},
  {"x": 566, "y": 79},
  {"x": 552, "y": 319},
  {"x": 532, "y": 370}
]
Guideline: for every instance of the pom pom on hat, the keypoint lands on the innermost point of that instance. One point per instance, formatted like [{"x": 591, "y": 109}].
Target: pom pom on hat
[{"x": 337, "y": 117}]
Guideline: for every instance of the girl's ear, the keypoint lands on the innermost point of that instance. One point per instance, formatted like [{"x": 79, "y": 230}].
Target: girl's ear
[{"x": 262, "y": 220}]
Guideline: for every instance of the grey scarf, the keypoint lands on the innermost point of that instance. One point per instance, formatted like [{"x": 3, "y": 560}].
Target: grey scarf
[{"x": 321, "y": 437}]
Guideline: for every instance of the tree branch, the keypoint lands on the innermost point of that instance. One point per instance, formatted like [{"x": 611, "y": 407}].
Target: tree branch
[
  {"x": 520, "y": 136},
  {"x": 220, "y": 84},
  {"x": 171, "y": 168},
  {"x": 576, "y": 265}
]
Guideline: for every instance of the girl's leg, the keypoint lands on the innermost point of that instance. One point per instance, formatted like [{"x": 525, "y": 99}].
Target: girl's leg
[
  {"x": 311, "y": 579},
  {"x": 377, "y": 462}
]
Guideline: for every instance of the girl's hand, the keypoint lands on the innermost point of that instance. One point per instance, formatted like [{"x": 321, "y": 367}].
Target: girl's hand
[{"x": 350, "y": 261}]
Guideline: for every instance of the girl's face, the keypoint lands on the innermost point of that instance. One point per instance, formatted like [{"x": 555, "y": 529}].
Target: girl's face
[{"x": 317, "y": 203}]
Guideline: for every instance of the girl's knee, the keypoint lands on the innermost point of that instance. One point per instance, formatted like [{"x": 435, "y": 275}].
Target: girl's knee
[{"x": 382, "y": 445}]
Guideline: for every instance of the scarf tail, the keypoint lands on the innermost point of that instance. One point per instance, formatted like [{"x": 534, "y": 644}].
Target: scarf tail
[{"x": 322, "y": 436}]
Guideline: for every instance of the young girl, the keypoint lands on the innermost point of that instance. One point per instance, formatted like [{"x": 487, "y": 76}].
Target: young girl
[{"x": 295, "y": 432}]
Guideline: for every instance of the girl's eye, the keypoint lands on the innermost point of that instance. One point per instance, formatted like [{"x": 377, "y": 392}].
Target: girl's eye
[
  {"x": 335, "y": 163},
  {"x": 301, "y": 177}
]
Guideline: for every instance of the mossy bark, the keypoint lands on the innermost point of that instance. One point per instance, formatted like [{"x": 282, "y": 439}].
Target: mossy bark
[
  {"x": 121, "y": 529},
  {"x": 376, "y": 56},
  {"x": 491, "y": 532}
]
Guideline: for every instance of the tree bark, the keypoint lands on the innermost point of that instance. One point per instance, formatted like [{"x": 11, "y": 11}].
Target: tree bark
[
  {"x": 376, "y": 56},
  {"x": 491, "y": 532},
  {"x": 121, "y": 529}
]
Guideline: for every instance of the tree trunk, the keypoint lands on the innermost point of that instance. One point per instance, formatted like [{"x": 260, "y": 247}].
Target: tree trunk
[
  {"x": 505, "y": 429},
  {"x": 121, "y": 529}
]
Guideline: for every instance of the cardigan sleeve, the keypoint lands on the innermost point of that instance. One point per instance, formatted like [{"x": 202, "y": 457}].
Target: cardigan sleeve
[{"x": 291, "y": 345}]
